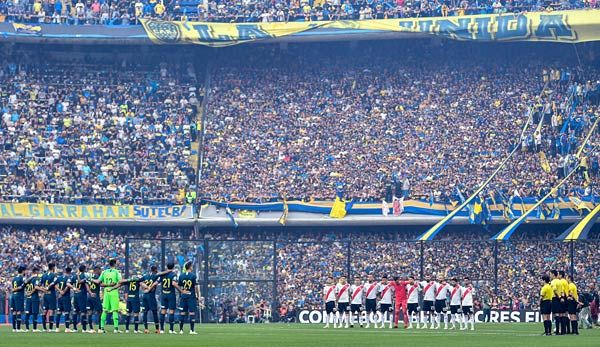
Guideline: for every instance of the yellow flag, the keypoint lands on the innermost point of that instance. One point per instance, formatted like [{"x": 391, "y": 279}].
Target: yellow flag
[
  {"x": 544, "y": 162},
  {"x": 338, "y": 210}
]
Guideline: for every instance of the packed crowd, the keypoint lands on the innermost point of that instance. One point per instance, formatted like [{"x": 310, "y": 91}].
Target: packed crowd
[
  {"x": 90, "y": 132},
  {"x": 304, "y": 260},
  {"x": 372, "y": 126},
  {"x": 127, "y": 12}
]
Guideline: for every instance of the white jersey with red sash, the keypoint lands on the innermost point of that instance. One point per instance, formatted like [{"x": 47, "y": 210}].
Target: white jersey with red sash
[
  {"x": 455, "y": 296},
  {"x": 429, "y": 290},
  {"x": 343, "y": 293},
  {"x": 467, "y": 296},
  {"x": 357, "y": 294},
  {"x": 413, "y": 293},
  {"x": 371, "y": 292},
  {"x": 386, "y": 291},
  {"x": 442, "y": 291},
  {"x": 329, "y": 292}
]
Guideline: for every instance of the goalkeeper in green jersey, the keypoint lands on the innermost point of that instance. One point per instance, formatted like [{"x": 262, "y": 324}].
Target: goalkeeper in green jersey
[{"x": 109, "y": 279}]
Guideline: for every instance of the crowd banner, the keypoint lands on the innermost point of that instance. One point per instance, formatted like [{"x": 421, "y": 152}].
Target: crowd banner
[
  {"x": 95, "y": 212},
  {"x": 495, "y": 316},
  {"x": 242, "y": 209},
  {"x": 550, "y": 26}
]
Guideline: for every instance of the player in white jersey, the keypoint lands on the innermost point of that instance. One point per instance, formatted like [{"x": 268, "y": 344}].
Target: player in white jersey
[
  {"x": 455, "y": 303},
  {"x": 441, "y": 294},
  {"x": 342, "y": 290},
  {"x": 385, "y": 290},
  {"x": 467, "y": 304},
  {"x": 428, "y": 286},
  {"x": 357, "y": 291},
  {"x": 412, "y": 293},
  {"x": 371, "y": 300},
  {"x": 330, "y": 299}
]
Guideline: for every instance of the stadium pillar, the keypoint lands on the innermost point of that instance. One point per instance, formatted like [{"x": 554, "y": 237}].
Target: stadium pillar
[
  {"x": 572, "y": 256},
  {"x": 422, "y": 261},
  {"x": 126, "y": 258},
  {"x": 348, "y": 259},
  {"x": 204, "y": 317},
  {"x": 496, "y": 268},
  {"x": 275, "y": 303},
  {"x": 163, "y": 254}
]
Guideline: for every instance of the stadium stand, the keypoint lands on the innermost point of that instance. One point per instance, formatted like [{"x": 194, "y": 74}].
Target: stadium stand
[
  {"x": 372, "y": 126},
  {"x": 128, "y": 12},
  {"x": 96, "y": 132}
]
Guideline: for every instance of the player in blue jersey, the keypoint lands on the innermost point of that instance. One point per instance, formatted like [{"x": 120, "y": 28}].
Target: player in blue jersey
[
  {"x": 64, "y": 285},
  {"x": 80, "y": 298},
  {"x": 168, "y": 299},
  {"x": 133, "y": 301},
  {"x": 33, "y": 288},
  {"x": 188, "y": 300},
  {"x": 149, "y": 303},
  {"x": 49, "y": 298},
  {"x": 17, "y": 299},
  {"x": 94, "y": 304}
]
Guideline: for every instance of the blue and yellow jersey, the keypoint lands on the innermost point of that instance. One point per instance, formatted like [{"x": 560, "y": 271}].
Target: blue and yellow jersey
[
  {"x": 166, "y": 283},
  {"x": 187, "y": 281},
  {"x": 47, "y": 281},
  {"x": 133, "y": 289},
  {"x": 31, "y": 293},
  {"x": 94, "y": 287},
  {"x": 80, "y": 283},
  {"x": 149, "y": 280},
  {"x": 62, "y": 283},
  {"x": 18, "y": 282}
]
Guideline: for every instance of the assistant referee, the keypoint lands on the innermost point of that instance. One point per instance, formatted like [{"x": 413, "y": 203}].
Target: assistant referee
[{"x": 546, "y": 296}]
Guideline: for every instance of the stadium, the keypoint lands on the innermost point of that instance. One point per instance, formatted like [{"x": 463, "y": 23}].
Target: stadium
[{"x": 299, "y": 172}]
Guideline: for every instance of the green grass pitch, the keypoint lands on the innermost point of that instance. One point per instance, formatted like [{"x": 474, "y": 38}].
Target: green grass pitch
[{"x": 289, "y": 335}]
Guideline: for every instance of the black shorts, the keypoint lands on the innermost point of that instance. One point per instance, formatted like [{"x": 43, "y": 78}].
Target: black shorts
[
  {"x": 546, "y": 307},
  {"x": 187, "y": 304},
  {"x": 49, "y": 302},
  {"x": 343, "y": 306},
  {"x": 385, "y": 308},
  {"x": 571, "y": 306},
  {"x": 454, "y": 309},
  {"x": 355, "y": 308},
  {"x": 133, "y": 306},
  {"x": 440, "y": 305},
  {"x": 80, "y": 303},
  {"x": 168, "y": 302},
  {"x": 17, "y": 303},
  {"x": 467, "y": 309},
  {"x": 64, "y": 304},
  {"x": 32, "y": 307},
  {"x": 412, "y": 308},
  {"x": 557, "y": 306},
  {"x": 428, "y": 306},
  {"x": 330, "y": 307},
  {"x": 371, "y": 305},
  {"x": 94, "y": 304},
  {"x": 149, "y": 302}
]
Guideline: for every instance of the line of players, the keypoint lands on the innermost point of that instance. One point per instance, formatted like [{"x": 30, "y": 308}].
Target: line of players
[
  {"x": 559, "y": 299},
  {"x": 381, "y": 302},
  {"x": 78, "y": 297}
]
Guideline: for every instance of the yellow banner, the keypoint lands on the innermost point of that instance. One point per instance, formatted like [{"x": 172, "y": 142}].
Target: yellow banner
[
  {"x": 559, "y": 26},
  {"x": 103, "y": 212}
]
